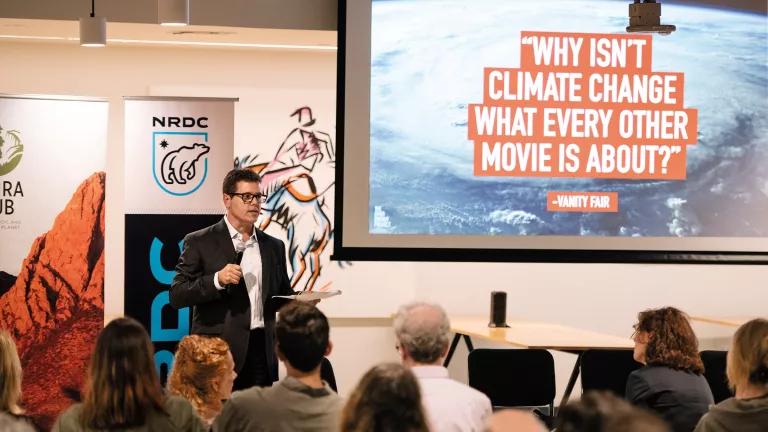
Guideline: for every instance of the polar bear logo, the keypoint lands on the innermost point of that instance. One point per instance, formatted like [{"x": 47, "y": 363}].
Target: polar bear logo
[{"x": 179, "y": 165}]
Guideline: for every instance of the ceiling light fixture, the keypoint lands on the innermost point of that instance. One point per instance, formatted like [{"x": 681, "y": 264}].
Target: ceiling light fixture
[
  {"x": 173, "y": 12},
  {"x": 93, "y": 29}
]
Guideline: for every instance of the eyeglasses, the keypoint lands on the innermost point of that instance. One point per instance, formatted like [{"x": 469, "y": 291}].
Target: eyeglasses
[{"x": 248, "y": 197}]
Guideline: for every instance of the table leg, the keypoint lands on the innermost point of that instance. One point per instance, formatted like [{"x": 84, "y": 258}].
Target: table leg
[
  {"x": 454, "y": 344},
  {"x": 571, "y": 382},
  {"x": 468, "y": 341}
]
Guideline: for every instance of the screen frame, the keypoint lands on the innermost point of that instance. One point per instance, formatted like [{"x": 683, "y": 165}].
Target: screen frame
[{"x": 437, "y": 254}]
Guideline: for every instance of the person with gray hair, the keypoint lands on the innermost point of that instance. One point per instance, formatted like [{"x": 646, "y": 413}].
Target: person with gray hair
[{"x": 422, "y": 331}]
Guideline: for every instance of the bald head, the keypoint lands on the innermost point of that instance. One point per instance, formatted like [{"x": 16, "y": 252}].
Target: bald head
[{"x": 423, "y": 332}]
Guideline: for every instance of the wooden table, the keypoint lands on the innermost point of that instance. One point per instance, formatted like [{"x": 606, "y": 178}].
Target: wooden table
[
  {"x": 530, "y": 334},
  {"x": 726, "y": 321}
]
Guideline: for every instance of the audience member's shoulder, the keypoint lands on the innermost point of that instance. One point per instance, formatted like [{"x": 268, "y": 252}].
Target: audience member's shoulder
[
  {"x": 175, "y": 403},
  {"x": 69, "y": 420},
  {"x": 182, "y": 413},
  {"x": 652, "y": 372},
  {"x": 241, "y": 409},
  {"x": 708, "y": 422},
  {"x": 735, "y": 414},
  {"x": 250, "y": 395},
  {"x": 12, "y": 423},
  {"x": 476, "y": 394},
  {"x": 468, "y": 393}
]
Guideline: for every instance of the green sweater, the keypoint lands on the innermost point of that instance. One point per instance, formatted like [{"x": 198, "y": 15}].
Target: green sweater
[
  {"x": 287, "y": 406},
  {"x": 180, "y": 417},
  {"x": 736, "y": 415}
]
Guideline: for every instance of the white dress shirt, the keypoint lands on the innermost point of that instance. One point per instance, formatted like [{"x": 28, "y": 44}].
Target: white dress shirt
[
  {"x": 450, "y": 405},
  {"x": 251, "y": 267}
]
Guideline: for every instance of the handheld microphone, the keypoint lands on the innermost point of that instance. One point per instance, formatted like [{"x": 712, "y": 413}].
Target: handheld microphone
[
  {"x": 239, "y": 249},
  {"x": 238, "y": 255}
]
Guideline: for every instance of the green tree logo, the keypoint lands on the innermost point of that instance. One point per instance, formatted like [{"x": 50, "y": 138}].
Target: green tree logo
[{"x": 11, "y": 150}]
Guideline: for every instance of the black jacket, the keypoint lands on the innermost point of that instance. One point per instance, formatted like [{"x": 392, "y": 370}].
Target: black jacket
[
  {"x": 679, "y": 397},
  {"x": 227, "y": 313}
]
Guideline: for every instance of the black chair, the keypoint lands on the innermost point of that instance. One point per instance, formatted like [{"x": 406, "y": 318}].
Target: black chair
[
  {"x": 714, "y": 372},
  {"x": 514, "y": 377},
  {"x": 326, "y": 373},
  {"x": 607, "y": 370}
]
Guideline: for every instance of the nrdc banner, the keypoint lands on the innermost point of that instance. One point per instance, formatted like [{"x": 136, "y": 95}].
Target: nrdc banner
[
  {"x": 177, "y": 152},
  {"x": 52, "y": 161}
]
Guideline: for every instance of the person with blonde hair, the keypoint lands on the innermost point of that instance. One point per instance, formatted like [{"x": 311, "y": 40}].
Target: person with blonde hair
[
  {"x": 10, "y": 375},
  {"x": 747, "y": 373},
  {"x": 11, "y": 413},
  {"x": 203, "y": 372},
  {"x": 122, "y": 389},
  {"x": 387, "y": 399}
]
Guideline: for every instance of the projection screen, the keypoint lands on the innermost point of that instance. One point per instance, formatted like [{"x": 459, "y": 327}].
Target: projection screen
[{"x": 494, "y": 130}]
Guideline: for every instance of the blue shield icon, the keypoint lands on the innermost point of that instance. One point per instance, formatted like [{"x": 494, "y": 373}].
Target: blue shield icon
[{"x": 180, "y": 161}]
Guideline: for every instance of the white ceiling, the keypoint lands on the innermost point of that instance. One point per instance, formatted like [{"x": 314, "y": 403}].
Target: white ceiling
[
  {"x": 67, "y": 32},
  {"x": 274, "y": 14}
]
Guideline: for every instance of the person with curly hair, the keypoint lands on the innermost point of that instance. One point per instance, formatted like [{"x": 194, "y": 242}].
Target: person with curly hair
[
  {"x": 203, "y": 372},
  {"x": 671, "y": 382},
  {"x": 387, "y": 399},
  {"x": 747, "y": 373}
]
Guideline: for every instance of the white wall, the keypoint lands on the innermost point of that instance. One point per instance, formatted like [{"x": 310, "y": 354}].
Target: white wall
[{"x": 600, "y": 297}]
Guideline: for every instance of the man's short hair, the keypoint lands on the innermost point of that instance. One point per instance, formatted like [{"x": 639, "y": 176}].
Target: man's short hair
[
  {"x": 423, "y": 330},
  {"x": 302, "y": 333},
  {"x": 229, "y": 185}
]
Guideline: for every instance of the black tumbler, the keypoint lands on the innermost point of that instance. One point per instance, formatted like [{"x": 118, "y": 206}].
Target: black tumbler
[{"x": 498, "y": 309}]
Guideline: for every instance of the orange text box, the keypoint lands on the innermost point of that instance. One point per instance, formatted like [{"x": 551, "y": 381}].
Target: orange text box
[
  {"x": 585, "y": 51},
  {"x": 543, "y": 122},
  {"x": 597, "y": 89},
  {"x": 599, "y": 202},
  {"x": 604, "y": 161}
]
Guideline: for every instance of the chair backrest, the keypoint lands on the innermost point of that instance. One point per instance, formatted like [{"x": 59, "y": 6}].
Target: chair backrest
[
  {"x": 607, "y": 370},
  {"x": 513, "y": 377},
  {"x": 326, "y": 373},
  {"x": 714, "y": 372}
]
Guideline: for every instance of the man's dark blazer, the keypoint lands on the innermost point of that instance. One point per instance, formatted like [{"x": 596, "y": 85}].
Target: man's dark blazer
[{"x": 227, "y": 313}]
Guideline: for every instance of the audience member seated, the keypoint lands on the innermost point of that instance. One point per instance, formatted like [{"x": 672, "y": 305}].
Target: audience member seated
[
  {"x": 11, "y": 414},
  {"x": 203, "y": 373},
  {"x": 423, "y": 336},
  {"x": 747, "y": 373},
  {"x": 301, "y": 401},
  {"x": 514, "y": 420},
  {"x": 122, "y": 390},
  {"x": 671, "y": 382},
  {"x": 602, "y": 411},
  {"x": 387, "y": 399}
]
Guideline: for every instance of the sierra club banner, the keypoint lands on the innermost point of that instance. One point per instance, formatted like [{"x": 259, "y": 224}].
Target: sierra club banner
[
  {"x": 177, "y": 152},
  {"x": 52, "y": 162}
]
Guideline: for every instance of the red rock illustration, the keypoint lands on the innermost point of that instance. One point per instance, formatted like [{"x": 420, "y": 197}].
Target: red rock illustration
[{"x": 55, "y": 308}]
